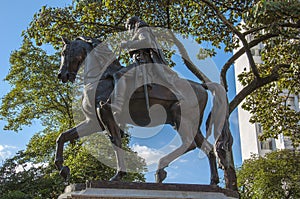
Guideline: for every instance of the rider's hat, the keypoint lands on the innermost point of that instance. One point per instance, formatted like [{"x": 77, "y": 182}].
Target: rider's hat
[{"x": 132, "y": 21}]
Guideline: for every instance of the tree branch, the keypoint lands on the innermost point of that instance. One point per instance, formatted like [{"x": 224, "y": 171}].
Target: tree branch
[
  {"x": 239, "y": 53},
  {"x": 255, "y": 84},
  {"x": 122, "y": 18},
  {"x": 238, "y": 33},
  {"x": 187, "y": 61},
  {"x": 254, "y": 30},
  {"x": 283, "y": 25},
  {"x": 69, "y": 111},
  {"x": 168, "y": 15},
  {"x": 116, "y": 27}
]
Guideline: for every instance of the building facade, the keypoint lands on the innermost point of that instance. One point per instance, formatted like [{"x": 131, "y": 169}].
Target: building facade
[{"x": 249, "y": 132}]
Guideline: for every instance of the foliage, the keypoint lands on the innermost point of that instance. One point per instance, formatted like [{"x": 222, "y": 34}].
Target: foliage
[
  {"x": 15, "y": 195},
  {"x": 274, "y": 23},
  {"x": 30, "y": 98},
  {"x": 20, "y": 178},
  {"x": 269, "y": 104},
  {"x": 93, "y": 159},
  {"x": 27, "y": 176},
  {"x": 274, "y": 176}
]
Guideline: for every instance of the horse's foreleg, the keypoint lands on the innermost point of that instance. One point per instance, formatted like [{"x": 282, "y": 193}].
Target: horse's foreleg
[
  {"x": 207, "y": 148},
  {"x": 84, "y": 128},
  {"x": 61, "y": 140},
  {"x": 64, "y": 137}
]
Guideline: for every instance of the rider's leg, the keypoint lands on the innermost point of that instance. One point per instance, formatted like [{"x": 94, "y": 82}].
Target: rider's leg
[
  {"x": 119, "y": 93},
  {"x": 121, "y": 80}
]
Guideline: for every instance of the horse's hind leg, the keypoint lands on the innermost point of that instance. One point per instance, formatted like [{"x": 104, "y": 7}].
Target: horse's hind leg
[
  {"x": 63, "y": 138},
  {"x": 207, "y": 148},
  {"x": 187, "y": 137},
  {"x": 117, "y": 145}
]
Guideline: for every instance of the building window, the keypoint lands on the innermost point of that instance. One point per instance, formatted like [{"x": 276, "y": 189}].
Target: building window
[
  {"x": 258, "y": 128},
  {"x": 266, "y": 145}
]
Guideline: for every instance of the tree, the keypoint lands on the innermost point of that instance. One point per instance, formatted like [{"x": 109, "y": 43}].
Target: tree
[
  {"x": 20, "y": 178},
  {"x": 38, "y": 95},
  {"x": 279, "y": 73},
  {"x": 30, "y": 98},
  {"x": 274, "y": 176},
  {"x": 275, "y": 23}
]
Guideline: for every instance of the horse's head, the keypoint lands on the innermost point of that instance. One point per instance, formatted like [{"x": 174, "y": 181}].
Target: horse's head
[{"x": 72, "y": 56}]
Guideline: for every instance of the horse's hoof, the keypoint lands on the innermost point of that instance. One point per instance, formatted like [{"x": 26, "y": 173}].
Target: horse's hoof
[
  {"x": 214, "y": 181},
  {"x": 161, "y": 174},
  {"x": 119, "y": 175},
  {"x": 64, "y": 172},
  {"x": 58, "y": 163}
]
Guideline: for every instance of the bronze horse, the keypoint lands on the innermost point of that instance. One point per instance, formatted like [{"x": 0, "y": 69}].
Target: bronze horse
[{"x": 99, "y": 86}]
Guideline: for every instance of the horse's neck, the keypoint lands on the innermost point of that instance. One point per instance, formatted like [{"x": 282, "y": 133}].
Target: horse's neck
[
  {"x": 114, "y": 67},
  {"x": 100, "y": 61},
  {"x": 88, "y": 47}
]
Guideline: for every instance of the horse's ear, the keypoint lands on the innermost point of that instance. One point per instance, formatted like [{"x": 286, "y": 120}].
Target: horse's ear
[{"x": 65, "y": 40}]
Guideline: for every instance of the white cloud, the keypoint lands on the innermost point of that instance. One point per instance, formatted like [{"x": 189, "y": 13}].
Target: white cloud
[
  {"x": 150, "y": 155},
  {"x": 183, "y": 160},
  {"x": 6, "y": 151},
  {"x": 30, "y": 165}
]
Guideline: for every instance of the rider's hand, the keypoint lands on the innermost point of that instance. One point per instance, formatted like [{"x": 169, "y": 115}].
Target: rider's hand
[{"x": 124, "y": 44}]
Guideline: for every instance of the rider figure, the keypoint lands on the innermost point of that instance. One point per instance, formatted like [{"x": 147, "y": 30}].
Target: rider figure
[{"x": 143, "y": 49}]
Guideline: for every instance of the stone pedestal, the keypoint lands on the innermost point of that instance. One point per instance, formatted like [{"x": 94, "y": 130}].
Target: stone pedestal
[{"x": 129, "y": 190}]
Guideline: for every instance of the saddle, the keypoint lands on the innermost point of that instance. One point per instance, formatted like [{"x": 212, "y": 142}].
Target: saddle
[{"x": 154, "y": 91}]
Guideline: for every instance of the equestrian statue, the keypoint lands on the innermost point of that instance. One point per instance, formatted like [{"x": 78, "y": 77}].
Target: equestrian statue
[{"x": 114, "y": 96}]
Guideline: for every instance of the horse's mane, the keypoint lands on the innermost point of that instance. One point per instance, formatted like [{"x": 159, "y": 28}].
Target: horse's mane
[
  {"x": 114, "y": 66},
  {"x": 90, "y": 40}
]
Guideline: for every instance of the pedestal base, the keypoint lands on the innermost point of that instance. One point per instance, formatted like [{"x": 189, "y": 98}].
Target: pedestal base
[{"x": 126, "y": 190}]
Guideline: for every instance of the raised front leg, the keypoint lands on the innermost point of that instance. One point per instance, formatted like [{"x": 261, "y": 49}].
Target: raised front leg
[{"x": 63, "y": 138}]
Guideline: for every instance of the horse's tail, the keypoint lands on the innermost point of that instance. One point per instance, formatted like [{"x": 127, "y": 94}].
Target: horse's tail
[
  {"x": 218, "y": 119},
  {"x": 219, "y": 112}
]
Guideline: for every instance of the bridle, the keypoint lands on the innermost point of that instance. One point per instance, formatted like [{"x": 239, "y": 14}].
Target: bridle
[{"x": 69, "y": 55}]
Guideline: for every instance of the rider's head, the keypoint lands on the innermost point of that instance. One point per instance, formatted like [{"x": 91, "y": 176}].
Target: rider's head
[{"x": 134, "y": 22}]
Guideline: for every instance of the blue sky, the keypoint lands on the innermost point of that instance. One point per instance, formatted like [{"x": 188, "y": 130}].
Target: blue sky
[{"x": 15, "y": 16}]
